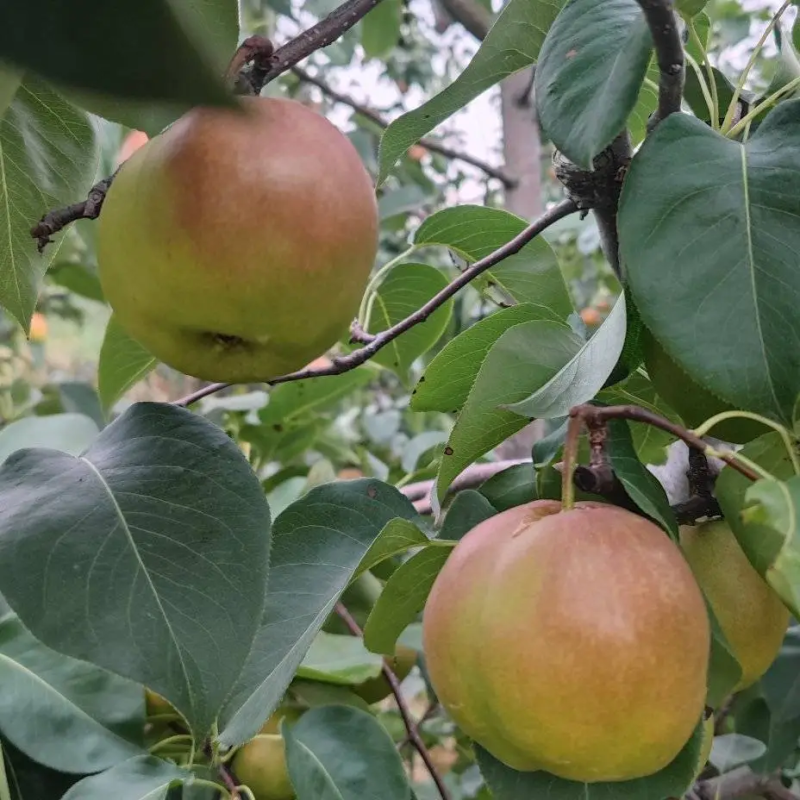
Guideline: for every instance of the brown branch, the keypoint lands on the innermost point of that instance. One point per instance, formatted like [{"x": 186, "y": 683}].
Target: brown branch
[
  {"x": 230, "y": 781},
  {"x": 663, "y": 22},
  {"x": 377, "y": 119},
  {"x": 54, "y": 221},
  {"x": 358, "y": 357},
  {"x": 402, "y": 707},
  {"x": 740, "y": 782},
  {"x": 471, "y": 477}
]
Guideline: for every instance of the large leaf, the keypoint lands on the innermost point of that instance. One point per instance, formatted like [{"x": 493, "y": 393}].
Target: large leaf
[
  {"x": 718, "y": 239},
  {"x": 583, "y": 375},
  {"x": 67, "y": 714},
  {"x": 48, "y": 159},
  {"x": 317, "y": 545},
  {"x": 142, "y": 778},
  {"x": 472, "y": 232},
  {"x": 71, "y": 433},
  {"x": 123, "y": 363},
  {"x": 380, "y": 29},
  {"x": 91, "y": 45},
  {"x": 512, "y": 44},
  {"x": 590, "y": 69},
  {"x": 339, "y": 658},
  {"x": 404, "y": 289},
  {"x": 781, "y": 683},
  {"x": 342, "y": 753},
  {"x": 147, "y": 555},
  {"x": 447, "y": 380},
  {"x": 522, "y": 360}
]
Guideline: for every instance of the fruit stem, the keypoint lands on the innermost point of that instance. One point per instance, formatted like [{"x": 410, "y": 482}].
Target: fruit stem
[
  {"x": 182, "y": 738},
  {"x": 215, "y": 786},
  {"x": 574, "y": 427}
]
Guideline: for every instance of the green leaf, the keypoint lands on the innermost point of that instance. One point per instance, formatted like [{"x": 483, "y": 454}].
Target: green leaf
[
  {"x": 159, "y": 535},
  {"x": 396, "y": 537},
  {"x": 781, "y": 683},
  {"x": 123, "y": 363},
  {"x": 512, "y": 44},
  {"x": 318, "y": 543},
  {"x": 522, "y": 360},
  {"x": 81, "y": 398},
  {"x": 582, "y": 377},
  {"x": 48, "y": 159},
  {"x": 141, "y": 778},
  {"x": 724, "y": 670},
  {"x": 469, "y": 509},
  {"x": 776, "y": 505},
  {"x": 10, "y": 79},
  {"x": 403, "y": 598},
  {"x": 449, "y": 377},
  {"x": 590, "y": 70},
  {"x": 67, "y": 714},
  {"x": 92, "y": 47},
  {"x": 693, "y": 93},
  {"x": 731, "y": 750},
  {"x": 718, "y": 241},
  {"x": 672, "y": 781},
  {"x": 530, "y": 276},
  {"x": 30, "y": 780},
  {"x": 406, "y": 288},
  {"x": 342, "y": 753},
  {"x": 342, "y": 659},
  {"x": 403, "y": 199},
  {"x": 380, "y": 29},
  {"x": 77, "y": 278},
  {"x": 646, "y": 104},
  {"x": 70, "y": 433},
  {"x": 511, "y": 487}
]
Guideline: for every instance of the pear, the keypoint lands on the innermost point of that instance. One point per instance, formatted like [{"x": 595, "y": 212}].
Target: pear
[
  {"x": 575, "y": 642},
  {"x": 261, "y": 766},
  {"x": 376, "y": 689},
  {"x": 236, "y": 246},
  {"x": 751, "y": 615}
]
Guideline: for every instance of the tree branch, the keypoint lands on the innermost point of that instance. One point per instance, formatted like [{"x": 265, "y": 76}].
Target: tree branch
[
  {"x": 411, "y": 727},
  {"x": 663, "y": 22},
  {"x": 429, "y": 144},
  {"x": 740, "y": 782},
  {"x": 358, "y": 357}
]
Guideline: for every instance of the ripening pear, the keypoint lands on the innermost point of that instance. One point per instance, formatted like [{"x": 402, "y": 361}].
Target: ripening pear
[
  {"x": 236, "y": 246},
  {"x": 751, "y": 615},
  {"x": 261, "y": 766},
  {"x": 575, "y": 642}
]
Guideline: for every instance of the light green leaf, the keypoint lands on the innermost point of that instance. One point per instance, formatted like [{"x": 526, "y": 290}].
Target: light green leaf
[
  {"x": 123, "y": 363},
  {"x": 380, "y": 29},
  {"x": 141, "y": 778},
  {"x": 70, "y": 433},
  {"x": 512, "y": 44},
  {"x": 396, "y": 537},
  {"x": 339, "y": 658},
  {"x": 731, "y": 750}
]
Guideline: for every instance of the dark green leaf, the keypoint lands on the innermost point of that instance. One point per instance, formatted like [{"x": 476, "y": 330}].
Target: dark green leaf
[
  {"x": 142, "y": 778},
  {"x": 511, "y": 487},
  {"x": 77, "y": 278},
  {"x": 29, "y": 780},
  {"x": 724, "y": 671},
  {"x": 467, "y": 510},
  {"x": 693, "y": 93},
  {"x": 380, "y": 29},
  {"x": 70, "y": 433},
  {"x": 341, "y": 753},
  {"x": 511, "y": 45},
  {"x": 81, "y": 398},
  {"x": 590, "y": 70},
  {"x": 403, "y": 199},
  {"x": 396, "y": 537},
  {"x": 10, "y": 79},
  {"x": 718, "y": 240},
  {"x": 123, "y": 363},
  {"x": 159, "y": 536},
  {"x": 781, "y": 683},
  {"x": 317, "y": 545},
  {"x": 48, "y": 158}
]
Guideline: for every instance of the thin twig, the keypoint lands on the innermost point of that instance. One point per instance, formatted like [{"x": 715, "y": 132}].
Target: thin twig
[
  {"x": 663, "y": 23},
  {"x": 402, "y": 707},
  {"x": 429, "y": 712},
  {"x": 473, "y": 476},
  {"x": 358, "y": 357},
  {"x": 377, "y": 119},
  {"x": 230, "y": 783}
]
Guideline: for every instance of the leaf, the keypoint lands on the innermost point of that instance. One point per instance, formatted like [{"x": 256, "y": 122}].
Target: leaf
[
  {"x": 380, "y": 29},
  {"x": 532, "y": 275},
  {"x": 70, "y": 433},
  {"x": 123, "y": 363},
  {"x": 146, "y": 556},
  {"x": 781, "y": 683},
  {"x": 582, "y": 377},
  {"x": 524, "y": 358},
  {"x": 590, "y": 70},
  {"x": 342, "y": 753},
  {"x": 449, "y": 377},
  {"x": 639, "y": 483},
  {"x": 403, "y": 598},
  {"x": 30, "y": 780},
  {"x": 512, "y": 44},
  {"x": 396, "y": 537},
  {"x": 719, "y": 241},
  {"x": 339, "y": 658},
  {"x": 142, "y": 778},
  {"x": 776, "y": 504},
  {"x": 425, "y": 443},
  {"x": 724, "y": 670},
  {"x": 469, "y": 509},
  {"x": 68, "y": 715},
  {"x": 81, "y": 398},
  {"x": 93, "y": 45},
  {"x": 317, "y": 545},
  {"x": 406, "y": 288},
  {"x": 10, "y": 79},
  {"x": 731, "y": 750},
  {"x": 77, "y": 278},
  {"x": 403, "y": 199},
  {"x": 693, "y": 93},
  {"x": 672, "y": 781},
  {"x": 511, "y": 487},
  {"x": 48, "y": 159}
]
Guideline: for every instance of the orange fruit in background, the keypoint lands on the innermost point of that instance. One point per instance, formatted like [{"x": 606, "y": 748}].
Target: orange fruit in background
[
  {"x": 417, "y": 152},
  {"x": 38, "y": 331},
  {"x": 591, "y": 316},
  {"x": 130, "y": 144}
]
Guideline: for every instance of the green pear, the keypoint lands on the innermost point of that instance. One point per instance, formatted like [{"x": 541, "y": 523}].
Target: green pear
[
  {"x": 575, "y": 642},
  {"x": 261, "y": 766},
  {"x": 751, "y": 615},
  {"x": 236, "y": 245}
]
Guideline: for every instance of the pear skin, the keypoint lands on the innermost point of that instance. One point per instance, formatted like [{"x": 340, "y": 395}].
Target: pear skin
[
  {"x": 261, "y": 765},
  {"x": 236, "y": 246},
  {"x": 575, "y": 642}
]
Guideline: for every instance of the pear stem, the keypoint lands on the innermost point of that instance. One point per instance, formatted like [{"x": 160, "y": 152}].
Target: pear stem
[{"x": 574, "y": 427}]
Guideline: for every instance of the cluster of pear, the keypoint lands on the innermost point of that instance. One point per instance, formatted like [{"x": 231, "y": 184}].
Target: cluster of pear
[
  {"x": 578, "y": 641},
  {"x": 236, "y": 245}
]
